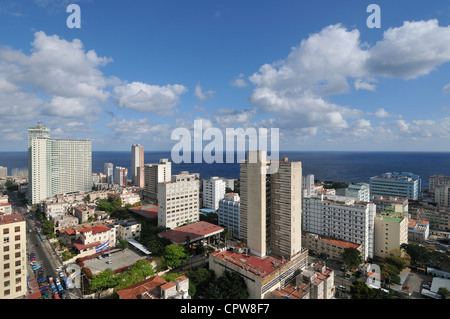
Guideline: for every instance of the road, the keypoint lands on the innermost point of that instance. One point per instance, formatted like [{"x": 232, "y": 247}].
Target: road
[{"x": 44, "y": 252}]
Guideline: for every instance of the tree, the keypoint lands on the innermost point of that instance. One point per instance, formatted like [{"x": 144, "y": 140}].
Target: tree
[
  {"x": 444, "y": 293},
  {"x": 174, "y": 255},
  {"x": 103, "y": 281},
  {"x": 351, "y": 257},
  {"x": 228, "y": 286},
  {"x": 122, "y": 244}
]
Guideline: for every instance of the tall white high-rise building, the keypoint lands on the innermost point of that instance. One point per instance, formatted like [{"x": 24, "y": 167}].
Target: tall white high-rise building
[
  {"x": 213, "y": 191},
  {"x": 137, "y": 165},
  {"x": 109, "y": 172},
  {"x": 57, "y": 166}
]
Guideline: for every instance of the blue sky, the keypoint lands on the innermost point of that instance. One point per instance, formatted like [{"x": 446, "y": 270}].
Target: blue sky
[{"x": 137, "y": 70}]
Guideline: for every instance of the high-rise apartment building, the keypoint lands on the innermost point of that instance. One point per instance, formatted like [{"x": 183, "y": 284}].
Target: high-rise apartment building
[
  {"x": 137, "y": 165},
  {"x": 342, "y": 218},
  {"x": 308, "y": 184},
  {"x": 178, "y": 200},
  {"x": 13, "y": 257},
  {"x": 270, "y": 226},
  {"x": 156, "y": 173},
  {"x": 438, "y": 180},
  {"x": 120, "y": 176},
  {"x": 109, "y": 172},
  {"x": 213, "y": 191},
  {"x": 406, "y": 185},
  {"x": 442, "y": 196},
  {"x": 57, "y": 166}
]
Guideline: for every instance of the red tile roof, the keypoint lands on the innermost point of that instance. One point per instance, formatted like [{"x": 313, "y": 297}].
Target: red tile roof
[
  {"x": 149, "y": 211},
  {"x": 137, "y": 289},
  {"x": 194, "y": 231},
  {"x": 95, "y": 229},
  {"x": 14, "y": 218}
]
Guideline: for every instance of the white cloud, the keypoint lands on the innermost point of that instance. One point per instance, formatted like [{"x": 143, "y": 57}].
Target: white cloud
[
  {"x": 144, "y": 98},
  {"x": 363, "y": 85},
  {"x": 230, "y": 117},
  {"x": 409, "y": 51},
  {"x": 203, "y": 96},
  {"x": 297, "y": 89},
  {"x": 239, "y": 81},
  {"x": 446, "y": 88}
]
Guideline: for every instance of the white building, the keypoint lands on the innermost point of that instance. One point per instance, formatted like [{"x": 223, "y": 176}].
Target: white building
[
  {"x": 57, "y": 166},
  {"x": 308, "y": 185},
  {"x": 213, "y": 192},
  {"x": 228, "y": 213},
  {"x": 438, "y": 180},
  {"x": 178, "y": 200},
  {"x": 109, "y": 172},
  {"x": 3, "y": 172},
  {"x": 156, "y": 173},
  {"x": 120, "y": 176},
  {"x": 359, "y": 191},
  {"x": 137, "y": 165},
  {"x": 342, "y": 218}
]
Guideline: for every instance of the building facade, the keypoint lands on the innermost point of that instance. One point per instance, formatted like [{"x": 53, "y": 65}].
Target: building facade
[
  {"x": 213, "y": 191},
  {"x": 228, "y": 213},
  {"x": 391, "y": 231},
  {"x": 342, "y": 218},
  {"x": 406, "y": 185},
  {"x": 359, "y": 191},
  {"x": 57, "y": 166},
  {"x": 109, "y": 172},
  {"x": 178, "y": 200},
  {"x": 442, "y": 195},
  {"x": 137, "y": 165},
  {"x": 438, "y": 180},
  {"x": 120, "y": 176},
  {"x": 13, "y": 256},
  {"x": 153, "y": 174}
]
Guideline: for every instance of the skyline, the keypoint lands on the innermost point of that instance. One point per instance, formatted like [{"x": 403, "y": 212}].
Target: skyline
[{"x": 135, "y": 72}]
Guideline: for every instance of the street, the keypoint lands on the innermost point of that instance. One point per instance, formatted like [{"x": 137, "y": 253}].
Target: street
[{"x": 43, "y": 251}]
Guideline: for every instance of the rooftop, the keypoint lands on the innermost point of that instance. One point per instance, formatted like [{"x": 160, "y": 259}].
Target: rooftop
[
  {"x": 149, "y": 211},
  {"x": 9, "y": 219},
  {"x": 194, "y": 231}
]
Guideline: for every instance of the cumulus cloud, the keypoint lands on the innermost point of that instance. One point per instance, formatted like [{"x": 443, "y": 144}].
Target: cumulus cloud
[
  {"x": 409, "y": 51},
  {"x": 298, "y": 88},
  {"x": 145, "y": 98},
  {"x": 446, "y": 88}
]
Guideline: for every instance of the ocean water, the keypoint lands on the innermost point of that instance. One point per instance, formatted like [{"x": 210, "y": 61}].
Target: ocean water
[{"x": 334, "y": 166}]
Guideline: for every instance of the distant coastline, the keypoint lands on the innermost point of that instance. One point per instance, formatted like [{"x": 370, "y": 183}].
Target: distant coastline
[{"x": 342, "y": 166}]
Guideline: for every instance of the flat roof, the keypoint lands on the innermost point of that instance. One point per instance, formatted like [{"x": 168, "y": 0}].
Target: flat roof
[
  {"x": 149, "y": 211},
  {"x": 195, "y": 231},
  {"x": 260, "y": 266}
]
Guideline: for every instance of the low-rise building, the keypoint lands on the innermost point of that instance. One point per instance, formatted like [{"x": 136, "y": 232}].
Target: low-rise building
[
  {"x": 6, "y": 209},
  {"x": 156, "y": 288},
  {"x": 83, "y": 212},
  {"x": 418, "y": 231},
  {"x": 332, "y": 247},
  {"x": 320, "y": 279}
]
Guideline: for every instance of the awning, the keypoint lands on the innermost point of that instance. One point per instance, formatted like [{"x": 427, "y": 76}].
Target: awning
[{"x": 139, "y": 246}]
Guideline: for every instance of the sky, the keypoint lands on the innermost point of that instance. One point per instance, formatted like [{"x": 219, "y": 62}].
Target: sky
[{"x": 136, "y": 71}]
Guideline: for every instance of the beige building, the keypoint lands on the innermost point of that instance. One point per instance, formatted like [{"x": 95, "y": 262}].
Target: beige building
[
  {"x": 270, "y": 226},
  {"x": 154, "y": 174},
  {"x": 178, "y": 200},
  {"x": 442, "y": 196},
  {"x": 391, "y": 230},
  {"x": 320, "y": 279},
  {"x": 333, "y": 248},
  {"x": 13, "y": 257},
  {"x": 437, "y": 181}
]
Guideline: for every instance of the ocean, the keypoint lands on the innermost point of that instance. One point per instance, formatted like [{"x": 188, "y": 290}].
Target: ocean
[{"x": 348, "y": 167}]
